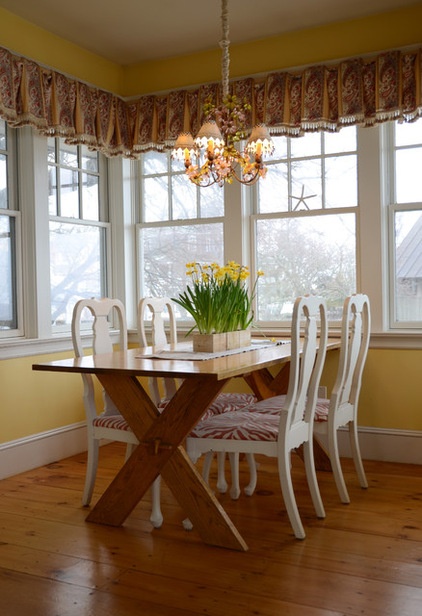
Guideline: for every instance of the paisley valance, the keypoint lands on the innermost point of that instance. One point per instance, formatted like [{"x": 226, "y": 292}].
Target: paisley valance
[{"x": 364, "y": 90}]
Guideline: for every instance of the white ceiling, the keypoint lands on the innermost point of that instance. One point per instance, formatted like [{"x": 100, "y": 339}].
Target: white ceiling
[{"x": 132, "y": 31}]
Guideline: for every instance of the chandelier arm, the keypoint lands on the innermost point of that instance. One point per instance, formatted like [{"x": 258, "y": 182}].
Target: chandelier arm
[
  {"x": 251, "y": 178},
  {"x": 225, "y": 44}
]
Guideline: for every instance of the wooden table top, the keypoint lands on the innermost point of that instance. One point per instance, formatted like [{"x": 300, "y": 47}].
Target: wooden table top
[{"x": 139, "y": 362}]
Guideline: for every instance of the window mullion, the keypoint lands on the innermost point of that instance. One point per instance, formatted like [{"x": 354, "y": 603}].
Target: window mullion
[{"x": 33, "y": 188}]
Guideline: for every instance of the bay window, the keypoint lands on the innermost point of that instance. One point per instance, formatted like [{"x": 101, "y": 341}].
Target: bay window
[{"x": 315, "y": 224}]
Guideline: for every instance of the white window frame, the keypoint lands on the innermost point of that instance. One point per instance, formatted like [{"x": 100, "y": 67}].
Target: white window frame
[
  {"x": 34, "y": 266},
  {"x": 390, "y": 207},
  {"x": 14, "y": 212},
  {"x": 141, "y": 224},
  {"x": 101, "y": 223}
]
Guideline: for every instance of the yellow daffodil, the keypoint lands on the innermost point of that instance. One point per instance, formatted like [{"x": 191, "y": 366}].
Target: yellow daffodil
[{"x": 219, "y": 299}]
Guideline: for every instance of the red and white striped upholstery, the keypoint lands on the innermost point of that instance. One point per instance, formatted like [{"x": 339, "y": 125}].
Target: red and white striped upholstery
[
  {"x": 321, "y": 409},
  {"x": 224, "y": 403},
  {"x": 239, "y": 425},
  {"x": 113, "y": 422},
  {"x": 274, "y": 404}
]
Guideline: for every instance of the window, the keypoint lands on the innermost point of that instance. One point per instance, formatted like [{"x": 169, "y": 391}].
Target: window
[
  {"x": 9, "y": 243},
  {"x": 406, "y": 227},
  {"x": 78, "y": 227},
  {"x": 306, "y": 212},
  {"x": 178, "y": 223}
]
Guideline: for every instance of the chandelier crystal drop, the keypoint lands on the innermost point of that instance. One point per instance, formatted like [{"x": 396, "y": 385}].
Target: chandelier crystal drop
[{"x": 216, "y": 158}]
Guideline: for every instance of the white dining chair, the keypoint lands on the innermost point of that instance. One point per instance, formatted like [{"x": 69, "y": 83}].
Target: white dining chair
[
  {"x": 109, "y": 423},
  {"x": 341, "y": 409},
  {"x": 163, "y": 330},
  {"x": 290, "y": 424}
]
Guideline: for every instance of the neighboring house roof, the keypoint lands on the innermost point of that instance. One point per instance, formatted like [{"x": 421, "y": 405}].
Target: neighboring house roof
[{"x": 409, "y": 253}]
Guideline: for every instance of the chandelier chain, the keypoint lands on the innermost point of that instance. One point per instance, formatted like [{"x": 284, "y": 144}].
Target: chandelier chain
[
  {"x": 215, "y": 155},
  {"x": 225, "y": 44}
]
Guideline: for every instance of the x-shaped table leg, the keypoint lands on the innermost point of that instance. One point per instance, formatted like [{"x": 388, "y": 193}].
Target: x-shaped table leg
[{"x": 160, "y": 453}]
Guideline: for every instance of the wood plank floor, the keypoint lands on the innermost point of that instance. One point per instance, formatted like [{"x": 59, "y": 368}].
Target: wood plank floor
[{"x": 363, "y": 559}]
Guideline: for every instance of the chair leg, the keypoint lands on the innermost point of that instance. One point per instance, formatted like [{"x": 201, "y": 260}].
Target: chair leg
[
  {"x": 186, "y": 523},
  {"x": 250, "y": 488},
  {"x": 221, "y": 476},
  {"x": 130, "y": 448},
  {"x": 91, "y": 471},
  {"x": 234, "y": 466},
  {"x": 336, "y": 466},
  {"x": 288, "y": 494},
  {"x": 221, "y": 473},
  {"x": 207, "y": 466},
  {"x": 308, "y": 455},
  {"x": 357, "y": 459},
  {"x": 156, "y": 517}
]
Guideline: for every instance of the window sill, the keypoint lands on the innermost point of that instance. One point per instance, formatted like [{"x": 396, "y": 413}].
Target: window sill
[{"x": 14, "y": 348}]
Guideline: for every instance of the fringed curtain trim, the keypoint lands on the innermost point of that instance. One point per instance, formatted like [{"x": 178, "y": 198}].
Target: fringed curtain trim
[{"x": 364, "y": 91}]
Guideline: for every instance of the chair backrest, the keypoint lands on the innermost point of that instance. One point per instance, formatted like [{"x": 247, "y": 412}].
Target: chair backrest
[
  {"x": 158, "y": 306},
  {"x": 100, "y": 309},
  {"x": 355, "y": 333},
  {"x": 308, "y": 350},
  {"x": 160, "y": 335}
]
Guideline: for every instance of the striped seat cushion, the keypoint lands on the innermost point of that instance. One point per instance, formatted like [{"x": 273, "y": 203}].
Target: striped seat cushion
[
  {"x": 224, "y": 403},
  {"x": 273, "y": 406},
  {"x": 321, "y": 409},
  {"x": 116, "y": 422},
  {"x": 238, "y": 425}
]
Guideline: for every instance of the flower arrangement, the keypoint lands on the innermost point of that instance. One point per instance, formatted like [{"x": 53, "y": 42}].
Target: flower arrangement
[{"x": 218, "y": 299}]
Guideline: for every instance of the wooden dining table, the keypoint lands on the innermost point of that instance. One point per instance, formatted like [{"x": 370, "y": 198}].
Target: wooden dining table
[{"x": 161, "y": 435}]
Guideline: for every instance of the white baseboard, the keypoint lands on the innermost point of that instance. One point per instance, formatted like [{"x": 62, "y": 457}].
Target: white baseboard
[
  {"x": 385, "y": 445},
  {"x": 40, "y": 449}
]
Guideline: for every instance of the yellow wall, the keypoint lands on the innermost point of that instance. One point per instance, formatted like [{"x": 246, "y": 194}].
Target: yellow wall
[
  {"x": 391, "y": 388},
  {"x": 361, "y": 36},
  {"x": 33, "y": 402},
  {"x": 391, "y": 391},
  {"x": 318, "y": 45},
  {"x": 23, "y": 38}
]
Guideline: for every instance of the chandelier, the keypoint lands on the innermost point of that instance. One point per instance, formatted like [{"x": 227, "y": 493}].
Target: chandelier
[{"x": 216, "y": 158}]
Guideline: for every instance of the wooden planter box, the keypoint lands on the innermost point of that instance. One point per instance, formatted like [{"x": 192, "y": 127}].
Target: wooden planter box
[{"x": 216, "y": 343}]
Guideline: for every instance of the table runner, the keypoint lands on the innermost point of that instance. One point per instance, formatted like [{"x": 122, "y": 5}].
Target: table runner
[{"x": 188, "y": 354}]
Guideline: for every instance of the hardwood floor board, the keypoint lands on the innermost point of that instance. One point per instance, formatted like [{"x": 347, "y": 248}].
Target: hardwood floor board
[
  {"x": 208, "y": 598},
  {"x": 55, "y": 566},
  {"x": 59, "y": 504},
  {"x": 46, "y": 598},
  {"x": 355, "y": 594},
  {"x": 90, "y": 541},
  {"x": 363, "y": 559},
  {"x": 373, "y": 561}
]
